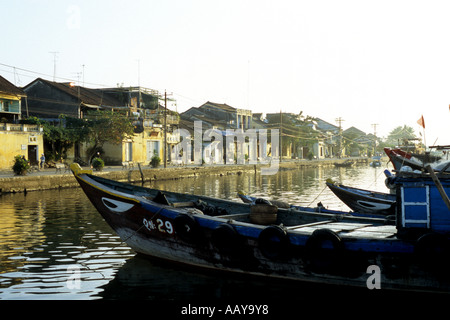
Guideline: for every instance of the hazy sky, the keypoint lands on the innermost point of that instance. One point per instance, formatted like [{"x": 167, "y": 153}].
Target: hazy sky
[{"x": 367, "y": 62}]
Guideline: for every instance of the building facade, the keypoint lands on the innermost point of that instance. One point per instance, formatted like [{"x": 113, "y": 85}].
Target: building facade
[
  {"x": 10, "y": 101},
  {"x": 16, "y": 139}
]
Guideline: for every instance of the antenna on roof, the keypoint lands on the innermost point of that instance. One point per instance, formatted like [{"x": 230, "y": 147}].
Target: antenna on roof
[
  {"x": 55, "y": 53},
  {"x": 83, "y": 73}
]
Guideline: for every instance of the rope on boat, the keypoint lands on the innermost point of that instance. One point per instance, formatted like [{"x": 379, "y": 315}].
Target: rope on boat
[
  {"x": 376, "y": 179},
  {"x": 318, "y": 195}
]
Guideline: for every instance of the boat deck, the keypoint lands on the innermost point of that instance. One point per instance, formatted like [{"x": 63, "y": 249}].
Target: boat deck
[{"x": 344, "y": 229}]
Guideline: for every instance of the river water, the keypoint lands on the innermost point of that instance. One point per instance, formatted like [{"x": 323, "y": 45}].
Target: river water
[{"x": 50, "y": 239}]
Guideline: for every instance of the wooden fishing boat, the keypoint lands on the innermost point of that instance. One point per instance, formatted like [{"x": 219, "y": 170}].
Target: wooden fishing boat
[
  {"x": 219, "y": 234},
  {"x": 320, "y": 208},
  {"x": 376, "y": 162},
  {"x": 346, "y": 163},
  {"x": 401, "y": 159},
  {"x": 364, "y": 201}
]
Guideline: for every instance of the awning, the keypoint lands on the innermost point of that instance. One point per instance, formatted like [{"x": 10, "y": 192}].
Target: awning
[{"x": 92, "y": 106}]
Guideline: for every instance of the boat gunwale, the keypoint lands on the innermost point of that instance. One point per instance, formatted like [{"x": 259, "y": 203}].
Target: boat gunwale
[
  {"x": 297, "y": 234},
  {"x": 355, "y": 191}
]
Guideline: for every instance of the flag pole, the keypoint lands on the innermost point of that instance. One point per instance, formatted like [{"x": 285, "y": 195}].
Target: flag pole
[
  {"x": 421, "y": 122},
  {"x": 424, "y": 139}
]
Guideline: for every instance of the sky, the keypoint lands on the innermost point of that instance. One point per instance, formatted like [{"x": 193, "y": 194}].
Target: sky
[{"x": 376, "y": 65}]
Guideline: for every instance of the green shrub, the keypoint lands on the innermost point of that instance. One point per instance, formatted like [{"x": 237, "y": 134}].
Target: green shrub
[
  {"x": 98, "y": 164},
  {"x": 21, "y": 165},
  {"x": 155, "y": 161}
]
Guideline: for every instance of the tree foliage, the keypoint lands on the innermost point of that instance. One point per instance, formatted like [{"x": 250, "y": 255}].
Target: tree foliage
[
  {"x": 96, "y": 129},
  {"x": 56, "y": 137},
  {"x": 400, "y": 135},
  {"x": 104, "y": 126},
  {"x": 295, "y": 129}
]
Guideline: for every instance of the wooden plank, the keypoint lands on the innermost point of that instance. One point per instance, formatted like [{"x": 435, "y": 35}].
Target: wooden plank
[
  {"x": 359, "y": 234},
  {"x": 309, "y": 225},
  {"x": 384, "y": 229},
  {"x": 142, "y": 173},
  {"x": 439, "y": 186},
  {"x": 182, "y": 204},
  {"x": 235, "y": 215}
]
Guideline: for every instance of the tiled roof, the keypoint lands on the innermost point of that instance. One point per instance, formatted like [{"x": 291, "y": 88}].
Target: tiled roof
[
  {"x": 8, "y": 88},
  {"x": 223, "y": 106},
  {"x": 86, "y": 95}
]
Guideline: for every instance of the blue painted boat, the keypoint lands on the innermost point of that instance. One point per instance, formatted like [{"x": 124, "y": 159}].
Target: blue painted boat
[
  {"x": 364, "y": 201},
  {"x": 346, "y": 163},
  {"x": 320, "y": 208},
  {"x": 376, "y": 162},
  {"x": 206, "y": 232}
]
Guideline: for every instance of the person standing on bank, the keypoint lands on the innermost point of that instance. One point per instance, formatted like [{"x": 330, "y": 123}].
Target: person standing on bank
[{"x": 42, "y": 161}]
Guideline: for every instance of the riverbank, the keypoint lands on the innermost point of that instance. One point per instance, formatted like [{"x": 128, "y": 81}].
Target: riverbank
[{"x": 49, "y": 179}]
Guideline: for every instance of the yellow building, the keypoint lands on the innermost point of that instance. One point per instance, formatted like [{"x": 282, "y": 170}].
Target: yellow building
[
  {"x": 139, "y": 148},
  {"x": 16, "y": 139},
  {"x": 20, "y": 139}
]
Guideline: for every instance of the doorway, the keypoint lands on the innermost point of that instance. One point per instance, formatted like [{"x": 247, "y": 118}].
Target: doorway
[{"x": 33, "y": 155}]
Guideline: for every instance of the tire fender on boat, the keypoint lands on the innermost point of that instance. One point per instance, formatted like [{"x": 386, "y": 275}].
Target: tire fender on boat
[
  {"x": 324, "y": 248},
  {"x": 433, "y": 251},
  {"x": 187, "y": 228},
  {"x": 273, "y": 242},
  {"x": 390, "y": 182},
  {"x": 225, "y": 239}
]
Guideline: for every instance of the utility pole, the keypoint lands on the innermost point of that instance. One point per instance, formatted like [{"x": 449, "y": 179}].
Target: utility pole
[
  {"x": 339, "y": 121},
  {"x": 165, "y": 129},
  {"x": 139, "y": 85},
  {"x": 374, "y": 125},
  {"x": 281, "y": 136}
]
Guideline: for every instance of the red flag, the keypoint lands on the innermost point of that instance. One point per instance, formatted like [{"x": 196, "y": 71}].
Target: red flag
[{"x": 421, "y": 122}]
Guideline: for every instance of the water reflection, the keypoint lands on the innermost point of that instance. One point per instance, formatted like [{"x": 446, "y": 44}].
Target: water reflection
[
  {"x": 43, "y": 235},
  {"x": 301, "y": 186},
  {"x": 157, "y": 280}
]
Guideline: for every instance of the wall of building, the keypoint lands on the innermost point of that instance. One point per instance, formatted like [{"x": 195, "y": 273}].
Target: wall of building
[
  {"x": 138, "y": 149},
  {"x": 45, "y": 101},
  {"x": 20, "y": 139}
]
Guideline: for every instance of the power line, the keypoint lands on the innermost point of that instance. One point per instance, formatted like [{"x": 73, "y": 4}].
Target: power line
[
  {"x": 44, "y": 75},
  {"x": 40, "y": 74}
]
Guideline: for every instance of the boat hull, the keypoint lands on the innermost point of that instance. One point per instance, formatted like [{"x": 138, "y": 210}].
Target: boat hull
[
  {"x": 364, "y": 201},
  {"x": 311, "y": 251},
  {"x": 402, "y": 159}
]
